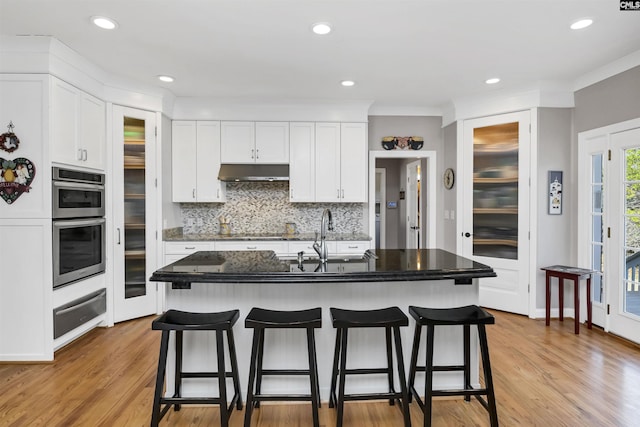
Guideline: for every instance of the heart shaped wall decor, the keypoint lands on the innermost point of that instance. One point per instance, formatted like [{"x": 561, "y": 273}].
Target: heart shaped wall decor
[{"x": 16, "y": 177}]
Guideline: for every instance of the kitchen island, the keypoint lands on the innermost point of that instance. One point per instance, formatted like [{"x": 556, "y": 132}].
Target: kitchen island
[{"x": 219, "y": 281}]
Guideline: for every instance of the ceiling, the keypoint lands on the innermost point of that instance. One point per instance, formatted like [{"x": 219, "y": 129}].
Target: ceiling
[{"x": 421, "y": 54}]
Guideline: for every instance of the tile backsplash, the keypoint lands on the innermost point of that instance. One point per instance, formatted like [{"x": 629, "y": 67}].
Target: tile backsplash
[{"x": 264, "y": 208}]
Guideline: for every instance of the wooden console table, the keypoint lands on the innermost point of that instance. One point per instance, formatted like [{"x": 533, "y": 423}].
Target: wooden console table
[{"x": 570, "y": 273}]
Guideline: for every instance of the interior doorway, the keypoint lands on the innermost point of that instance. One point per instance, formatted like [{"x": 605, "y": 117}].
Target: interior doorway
[
  {"x": 413, "y": 225},
  {"x": 395, "y": 209},
  {"x": 380, "y": 208}
]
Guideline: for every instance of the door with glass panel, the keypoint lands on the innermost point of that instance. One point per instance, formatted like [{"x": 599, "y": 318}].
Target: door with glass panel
[
  {"x": 134, "y": 228},
  {"x": 592, "y": 213},
  {"x": 495, "y": 213},
  {"x": 624, "y": 294}
]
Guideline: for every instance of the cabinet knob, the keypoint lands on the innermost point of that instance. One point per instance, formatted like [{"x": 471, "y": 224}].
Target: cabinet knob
[{"x": 467, "y": 234}]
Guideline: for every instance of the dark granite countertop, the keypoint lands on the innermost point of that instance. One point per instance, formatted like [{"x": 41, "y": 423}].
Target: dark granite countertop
[
  {"x": 266, "y": 267},
  {"x": 177, "y": 235}
]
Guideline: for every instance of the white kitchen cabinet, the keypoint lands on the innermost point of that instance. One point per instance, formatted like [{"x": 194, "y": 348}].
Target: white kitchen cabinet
[
  {"x": 352, "y": 247},
  {"x": 77, "y": 127},
  {"x": 195, "y": 154},
  {"x": 306, "y": 246},
  {"x": 341, "y": 162},
  {"x": 302, "y": 141},
  {"x": 255, "y": 142},
  {"x": 272, "y": 142},
  {"x": 353, "y": 162},
  {"x": 238, "y": 142},
  {"x": 174, "y": 251},
  {"x": 279, "y": 246}
]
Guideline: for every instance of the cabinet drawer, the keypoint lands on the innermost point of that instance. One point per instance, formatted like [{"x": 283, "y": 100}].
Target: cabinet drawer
[
  {"x": 186, "y": 248},
  {"x": 307, "y": 247},
  {"x": 352, "y": 247},
  {"x": 69, "y": 316},
  {"x": 279, "y": 247}
]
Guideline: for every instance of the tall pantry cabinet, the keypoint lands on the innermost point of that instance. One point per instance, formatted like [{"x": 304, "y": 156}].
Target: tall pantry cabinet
[{"x": 135, "y": 232}]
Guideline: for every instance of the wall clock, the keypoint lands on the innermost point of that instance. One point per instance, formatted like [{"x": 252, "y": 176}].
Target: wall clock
[{"x": 449, "y": 178}]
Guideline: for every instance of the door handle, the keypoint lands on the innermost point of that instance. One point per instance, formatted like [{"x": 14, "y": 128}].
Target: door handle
[
  {"x": 252, "y": 153},
  {"x": 415, "y": 228},
  {"x": 257, "y": 153}
]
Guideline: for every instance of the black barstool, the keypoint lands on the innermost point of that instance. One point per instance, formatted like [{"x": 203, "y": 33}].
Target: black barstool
[
  {"x": 260, "y": 319},
  {"x": 391, "y": 319},
  {"x": 464, "y": 316},
  {"x": 180, "y": 321}
]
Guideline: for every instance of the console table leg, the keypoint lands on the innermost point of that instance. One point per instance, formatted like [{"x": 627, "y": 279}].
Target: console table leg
[{"x": 576, "y": 303}]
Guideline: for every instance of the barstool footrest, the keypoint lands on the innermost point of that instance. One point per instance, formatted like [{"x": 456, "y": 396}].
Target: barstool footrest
[
  {"x": 460, "y": 392},
  {"x": 204, "y": 374},
  {"x": 190, "y": 400},
  {"x": 370, "y": 396},
  {"x": 283, "y": 397},
  {"x": 365, "y": 371},
  {"x": 285, "y": 372}
]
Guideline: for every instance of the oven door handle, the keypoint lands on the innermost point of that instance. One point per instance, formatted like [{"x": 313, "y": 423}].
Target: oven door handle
[
  {"x": 78, "y": 185},
  {"x": 63, "y": 223}
]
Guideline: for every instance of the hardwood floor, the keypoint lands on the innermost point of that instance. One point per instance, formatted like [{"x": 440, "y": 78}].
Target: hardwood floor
[{"x": 544, "y": 376}]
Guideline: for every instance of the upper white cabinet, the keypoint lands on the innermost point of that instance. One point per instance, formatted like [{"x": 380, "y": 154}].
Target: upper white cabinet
[
  {"x": 302, "y": 162},
  {"x": 195, "y": 153},
  {"x": 77, "y": 127},
  {"x": 341, "y": 162},
  {"x": 255, "y": 142},
  {"x": 353, "y": 162}
]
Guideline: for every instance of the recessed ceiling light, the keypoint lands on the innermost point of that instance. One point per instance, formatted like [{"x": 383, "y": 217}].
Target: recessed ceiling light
[
  {"x": 104, "y": 23},
  {"x": 347, "y": 83},
  {"x": 583, "y": 23},
  {"x": 492, "y": 81},
  {"x": 167, "y": 79},
  {"x": 321, "y": 28}
]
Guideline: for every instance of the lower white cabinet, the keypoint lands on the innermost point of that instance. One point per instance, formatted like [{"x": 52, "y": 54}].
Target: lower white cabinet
[
  {"x": 174, "y": 251},
  {"x": 352, "y": 247},
  {"x": 279, "y": 246}
]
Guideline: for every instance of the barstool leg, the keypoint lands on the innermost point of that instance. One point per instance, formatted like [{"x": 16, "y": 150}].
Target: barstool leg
[
  {"x": 401, "y": 377},
  {"x": 488, "y": 379},
  {"x": 259, "y": 372},
  {"x": 313, "y": 375},
  {"x": 414, "y": 360},
  {"x": 467, "y": 360},
  {"x": 315, "y": 363},
  {"x": 343, "y": 368},
  {"x": 222, "y": 380},
  {"x": 162, "y": 368},
  {"x": 178, "y": 373},
  {"x": 428, "y": 382},
  {"x": 234, "y": 368},
  {"x": 252, "y": 377},
  {"x": 334, "y": 372},
  {"x": 389, "y": 363}
]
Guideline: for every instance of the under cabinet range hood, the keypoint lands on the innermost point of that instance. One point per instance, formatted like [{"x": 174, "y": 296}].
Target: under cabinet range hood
[{"x": 253, "y": 172}]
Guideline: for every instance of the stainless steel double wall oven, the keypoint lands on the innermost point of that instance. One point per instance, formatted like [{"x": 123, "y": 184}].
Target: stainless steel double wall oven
[{"x": 78, "y": 225}]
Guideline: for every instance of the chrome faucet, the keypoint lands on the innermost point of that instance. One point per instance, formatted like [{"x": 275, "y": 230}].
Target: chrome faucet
[{"x": 321, "y": 248}]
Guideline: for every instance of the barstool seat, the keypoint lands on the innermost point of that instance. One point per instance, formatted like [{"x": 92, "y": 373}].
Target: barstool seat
[
  {"x": 391, "y": 319},
  {"x": 260, "y": 319},
  {"x": 464, "y": 316},
  {"x": 180, "y": 321}
]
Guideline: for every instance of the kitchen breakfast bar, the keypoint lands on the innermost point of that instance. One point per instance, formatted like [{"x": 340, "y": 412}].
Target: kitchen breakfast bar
[{"x": 221, "y": 281}]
